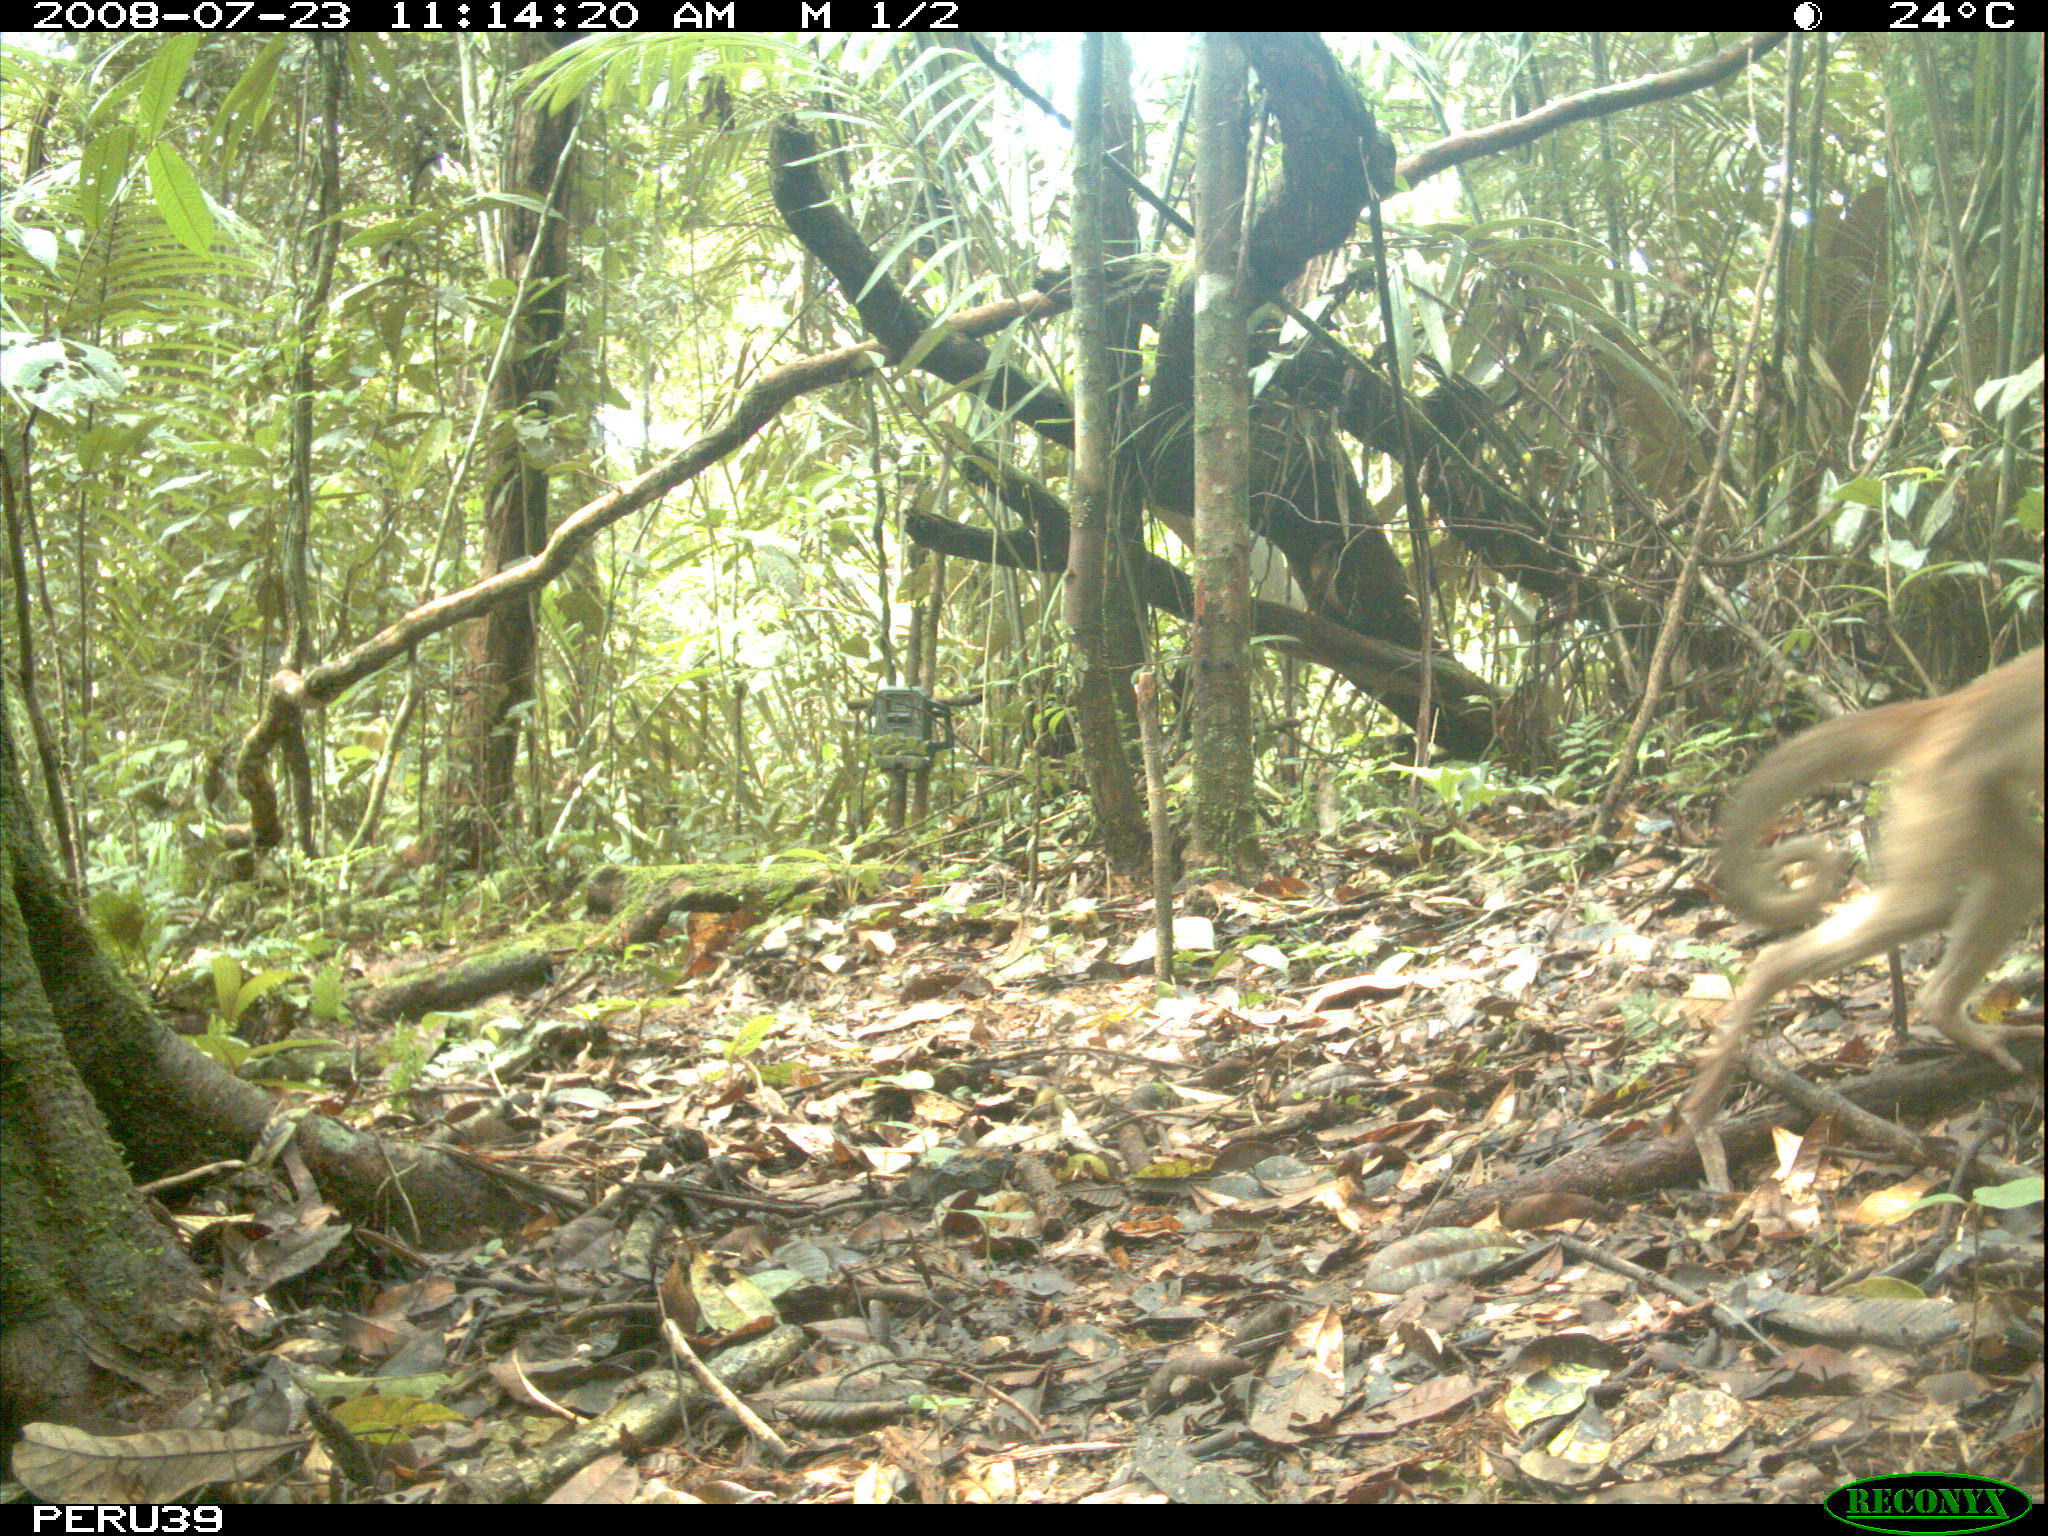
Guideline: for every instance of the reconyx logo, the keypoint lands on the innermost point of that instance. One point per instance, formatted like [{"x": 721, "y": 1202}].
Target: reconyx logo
[{"x": 1925, "y": 1502}]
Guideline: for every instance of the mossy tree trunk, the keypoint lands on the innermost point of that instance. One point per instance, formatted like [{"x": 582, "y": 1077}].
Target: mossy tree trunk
[
  {"x": 95, "y": 1091},
  {"x": 87, "y": 1271}
]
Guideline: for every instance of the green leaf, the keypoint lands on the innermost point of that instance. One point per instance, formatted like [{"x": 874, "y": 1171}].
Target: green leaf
[
  {"x": 2009, "y": 1197},
  {"x": 1925, "y": 1201},
  {"x": 227, "y": 981},
  {"x": 101, "y": 170},
  {"x": 224, "y": 1049},
  {"x": 249, "y": 101},
  {"x": 163, "y": 77},
  {"x": 922, "y": 348},
  {"x": 2000, "y": 398},
  {"x": 121, "y": 917},
  {"x": 327, "y": 994},
  {"x": 1885, "y": 1288},
  {"x": 179, "y": 199},
  {"x": 751, "y": 1034},
  {"x": 295, "y": 1043},
  {"x": 256, "y": 986}
]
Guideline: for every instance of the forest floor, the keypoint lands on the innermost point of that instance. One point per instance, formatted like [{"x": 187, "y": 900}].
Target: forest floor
[{"x": 1373, "y": 1206}]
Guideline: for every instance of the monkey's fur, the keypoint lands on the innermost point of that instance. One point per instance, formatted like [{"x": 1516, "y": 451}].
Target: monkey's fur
[{"x": 1960, "y": 851}]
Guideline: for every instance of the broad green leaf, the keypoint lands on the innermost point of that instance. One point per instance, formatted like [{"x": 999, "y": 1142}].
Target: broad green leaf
[
  {"x": 249, "y": 100},
  {"x": 162, "y": 79},
  {"x": 179, "y": 199},
  {"x": 227, "y": 981},
  {"x": 255, "y": 987}
]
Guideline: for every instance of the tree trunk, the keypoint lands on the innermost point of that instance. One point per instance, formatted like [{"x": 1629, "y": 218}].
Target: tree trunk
[
  {"x": 90, "y": 1079},
  {"x": 1103, "y": 686},
  {"x": 502, "y": 644},
  {"x": 1225, "y": 831},
  {"x": 88, "y": 1270}
]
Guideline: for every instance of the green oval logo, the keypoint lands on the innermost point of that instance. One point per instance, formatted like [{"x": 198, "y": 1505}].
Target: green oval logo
[{"x": 1914, "y": 1503}]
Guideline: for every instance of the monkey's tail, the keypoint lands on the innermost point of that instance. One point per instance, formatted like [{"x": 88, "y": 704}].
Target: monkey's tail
[{"x": 1786, "y": 885}]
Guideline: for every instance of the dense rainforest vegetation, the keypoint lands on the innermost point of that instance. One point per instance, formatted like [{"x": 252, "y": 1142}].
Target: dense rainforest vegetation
[{"x": 763, "y": 681}]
